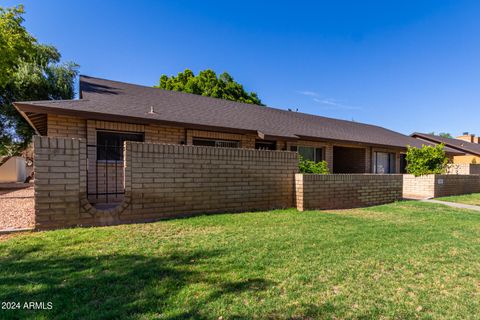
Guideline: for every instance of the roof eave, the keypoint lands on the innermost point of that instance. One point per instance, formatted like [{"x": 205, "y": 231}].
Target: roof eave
[
  {"x": 353, "y": 142},
  {"x": 24, "y": 115},
  {"x": 23, "y": 107},
  {"x": 460, "y": 150}
]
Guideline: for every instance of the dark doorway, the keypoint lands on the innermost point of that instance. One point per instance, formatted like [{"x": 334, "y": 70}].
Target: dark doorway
[
  {"x": 403, "y": 163},
  {"x": 349, "y": 160}
]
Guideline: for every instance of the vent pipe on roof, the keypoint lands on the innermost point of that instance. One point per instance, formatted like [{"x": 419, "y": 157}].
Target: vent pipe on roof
[{"x": 151, "y": 111}]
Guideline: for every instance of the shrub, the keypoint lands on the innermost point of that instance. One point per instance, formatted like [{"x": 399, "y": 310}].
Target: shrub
[
  {"x": 309, "y": 166},
  {"x": 426, "y": 160}
]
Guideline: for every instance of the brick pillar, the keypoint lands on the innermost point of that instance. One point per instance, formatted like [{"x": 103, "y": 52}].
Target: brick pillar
[{"x": 60, "y": 178}]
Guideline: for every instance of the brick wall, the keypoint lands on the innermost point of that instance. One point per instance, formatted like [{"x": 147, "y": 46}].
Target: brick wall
[
  {"x": 448, "y": 185},
  {"x": 160, "y": 181},
  {"x": 474, "y": 168},
  {"x": 73, "y": 127},
  {"x": 341, "y": 191},
  {"x": 66, "y": 127},
  {"x": 60, "y": 179},
  {"x": 103, "y": 176},
  {"x": 440, "y": 185},
  {"x": 349, "y": 160},
  {"x": 418, "y": 187},
  {"x": 172, "y": 180},
  {"x": 246, "y": 141}
]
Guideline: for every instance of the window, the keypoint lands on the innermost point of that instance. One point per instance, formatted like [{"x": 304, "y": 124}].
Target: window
[
  {"x": 110, "y": 144},
  {"x": 310, "y": 153},
  {"x": 265, "y": 145},
  {"x": 384, "y": 162},
  {"x": 216, "y": 143}
]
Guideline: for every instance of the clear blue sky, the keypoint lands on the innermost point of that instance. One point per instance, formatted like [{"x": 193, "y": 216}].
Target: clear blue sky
[{"x": 405, "y": 65}]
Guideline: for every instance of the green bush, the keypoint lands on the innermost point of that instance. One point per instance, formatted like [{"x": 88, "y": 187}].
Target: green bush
[
  {"x": 426, "y": 160},
  {"x": 309, "y": 166}
]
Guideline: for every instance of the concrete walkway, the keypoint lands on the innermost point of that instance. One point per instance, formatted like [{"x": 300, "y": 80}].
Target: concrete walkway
[{"x": 453, "y": 204}]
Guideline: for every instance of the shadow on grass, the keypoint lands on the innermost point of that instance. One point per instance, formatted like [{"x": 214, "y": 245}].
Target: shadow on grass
[{"x": 114, "y": 286}]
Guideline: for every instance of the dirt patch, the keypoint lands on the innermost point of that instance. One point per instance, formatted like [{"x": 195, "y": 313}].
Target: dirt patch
[{"x": 17, "y": 208}]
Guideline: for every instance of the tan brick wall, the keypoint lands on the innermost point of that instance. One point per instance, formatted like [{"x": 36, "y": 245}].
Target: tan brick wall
[
  {"x": 153, "y": 133},
  {"x": 418, "y": 187},
  {"x": 103, "y": 176},
  {"x": 172, "y": 180},
  {"x": 72, "y": 127},
  {"x": 440, "y": 185},
  {"x": 350, "y": 160},
  {"x": 60, "y": 179},
  {"x": 246, "y": 141},
  {"x": 341, "y": 191},
  {"x": 161, "y": 181},
  {"x": 449, "y": 185},
  {"x": 66, "y": 127}
]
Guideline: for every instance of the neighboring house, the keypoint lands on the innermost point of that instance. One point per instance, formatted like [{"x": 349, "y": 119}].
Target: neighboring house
[
  {"x": 110, "y": 112},
  {"x": 467, "y": 144}
]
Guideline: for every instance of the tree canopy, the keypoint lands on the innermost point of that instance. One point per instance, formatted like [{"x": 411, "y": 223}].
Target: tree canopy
[
  {"x": 443, "y": 134},
  {"x": 206, "y": 83},
  {"x": 28, "y": 71}
]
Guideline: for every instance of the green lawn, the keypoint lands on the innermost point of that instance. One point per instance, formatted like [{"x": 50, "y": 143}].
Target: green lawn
[
  {"x": 404, "y": 260},
  {"x": 473, "y": 199}
]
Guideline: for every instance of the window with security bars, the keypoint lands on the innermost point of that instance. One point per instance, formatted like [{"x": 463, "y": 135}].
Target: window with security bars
[
  {"x": 110, "y": 144},
  {"x": 216, "y": 143}
]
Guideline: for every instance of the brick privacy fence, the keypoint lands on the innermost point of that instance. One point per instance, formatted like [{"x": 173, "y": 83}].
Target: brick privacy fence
[
  {"x": 439, "y": 185},
  {"x": 161, "y": 181},
  {"x": 463, "y": 168},
  {"x": 341, "y": 191},
  {"x": 175, "y": 180}
]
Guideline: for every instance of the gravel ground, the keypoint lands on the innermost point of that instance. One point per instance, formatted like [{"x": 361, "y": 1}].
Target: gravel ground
[{"x": 16, "y": 208}]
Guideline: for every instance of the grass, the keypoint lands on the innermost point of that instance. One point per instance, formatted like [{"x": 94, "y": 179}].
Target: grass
[
  {"x": 473, "y": 199},
  {"x": 404, "y": 260}
]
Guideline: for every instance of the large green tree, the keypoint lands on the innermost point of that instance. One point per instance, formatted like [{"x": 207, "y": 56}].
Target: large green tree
[
  {"x": 28, "y": 71},
  {"x": 206, "y": 83},
  {"x": 443, "y": 134}
]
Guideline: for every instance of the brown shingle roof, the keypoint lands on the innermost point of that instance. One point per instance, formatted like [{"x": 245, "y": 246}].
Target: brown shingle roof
[
  {"x": 113, "y": 100},
  {"x": 457, "y": 144}
]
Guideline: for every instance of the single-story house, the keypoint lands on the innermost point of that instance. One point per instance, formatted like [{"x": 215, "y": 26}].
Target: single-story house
[
  {"x": 467, "y": 144},
  {"x": 110, "y": 112}
]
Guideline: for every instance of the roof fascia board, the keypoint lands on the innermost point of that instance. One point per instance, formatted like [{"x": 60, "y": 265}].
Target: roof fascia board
[
  {"x": 460, "y": 150},
  {"x": 25, "y": 107},
  {"x": 24, "y": 115}
]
